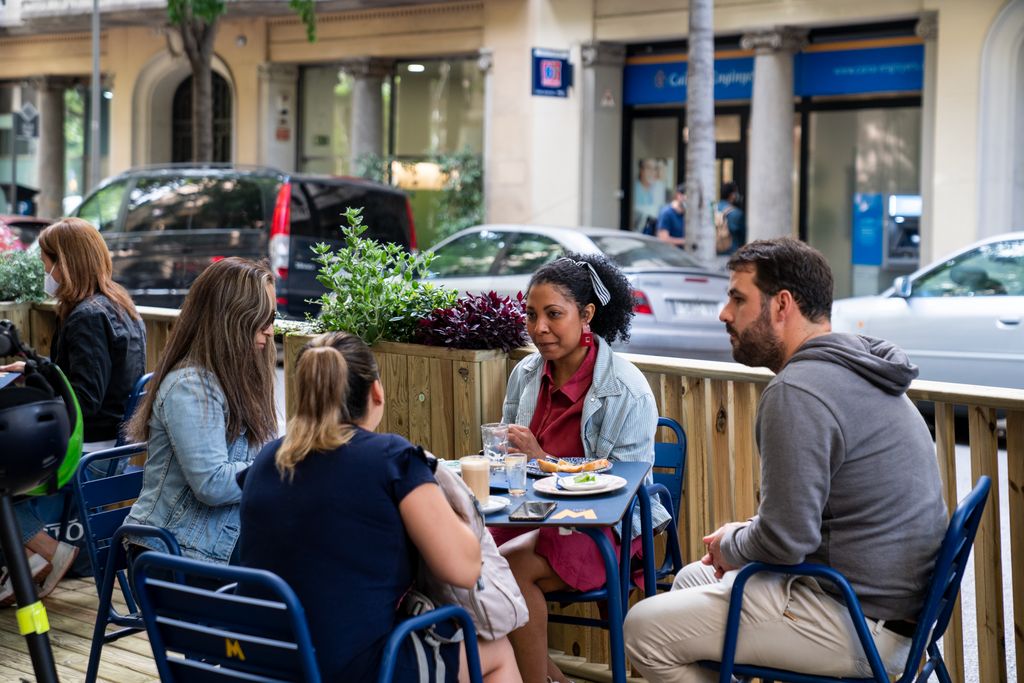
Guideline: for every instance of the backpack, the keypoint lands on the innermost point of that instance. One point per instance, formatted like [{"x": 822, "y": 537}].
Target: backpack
[
  {"x": 495, "y": 603},
  {"x": 723, "y": 238}
]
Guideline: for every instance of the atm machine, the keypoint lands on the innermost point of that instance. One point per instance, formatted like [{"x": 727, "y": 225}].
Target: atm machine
[{"x": 886, "y": 240}]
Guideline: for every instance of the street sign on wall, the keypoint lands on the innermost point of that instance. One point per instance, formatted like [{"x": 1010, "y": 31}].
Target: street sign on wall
[
  {"x": 552, "y": 72},
  {"x": 26, "y": 122}
]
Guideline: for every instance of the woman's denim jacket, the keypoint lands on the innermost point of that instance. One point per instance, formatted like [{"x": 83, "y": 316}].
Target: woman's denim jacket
[
  {"x": 619, "y": 418},
  {"x": 189, "y": 485}
]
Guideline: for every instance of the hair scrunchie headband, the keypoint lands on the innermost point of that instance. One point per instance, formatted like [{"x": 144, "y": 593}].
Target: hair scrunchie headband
[{"x": 599, "y": 289}]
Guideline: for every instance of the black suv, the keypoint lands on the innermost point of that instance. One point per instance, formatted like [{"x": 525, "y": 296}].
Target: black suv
[{"x": 165, "y": 224}]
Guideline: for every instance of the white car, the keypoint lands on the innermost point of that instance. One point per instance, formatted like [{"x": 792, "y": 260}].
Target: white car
[
  {"x": 675, "y": 300},
  {"x": 960, "y": 319}
]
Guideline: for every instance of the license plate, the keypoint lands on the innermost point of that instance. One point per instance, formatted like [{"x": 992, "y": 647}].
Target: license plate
[{"x": 694, "y": 309}]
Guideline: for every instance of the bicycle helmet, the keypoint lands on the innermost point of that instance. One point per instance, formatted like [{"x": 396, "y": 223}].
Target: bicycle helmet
[
  {"x": 40, "y": 428},
  {"x": 34, "y": 432}
]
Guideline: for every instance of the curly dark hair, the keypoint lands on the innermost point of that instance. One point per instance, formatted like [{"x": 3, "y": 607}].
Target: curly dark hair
[{"x": 612, "y": 321}]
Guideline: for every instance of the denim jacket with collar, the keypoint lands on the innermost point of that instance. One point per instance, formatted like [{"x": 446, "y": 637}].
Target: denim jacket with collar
[
  {"x": 619, "y": 419},
  {"x": 189, "y": 485}
]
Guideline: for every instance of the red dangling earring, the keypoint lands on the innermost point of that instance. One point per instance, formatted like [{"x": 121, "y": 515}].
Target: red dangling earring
[{"x": 587, "y": 338}]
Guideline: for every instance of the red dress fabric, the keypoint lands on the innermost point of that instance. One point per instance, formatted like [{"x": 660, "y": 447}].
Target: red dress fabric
[{"x": 556, "y": 424}]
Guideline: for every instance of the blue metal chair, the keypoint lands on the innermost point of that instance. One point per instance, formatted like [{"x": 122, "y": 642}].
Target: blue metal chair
[
  {"x": 138, "y": 391},
  {"x": 669, "y": 474},
  {"x": 215, "y": 635},
  {"x": 671, "y": 458},
  {"x": 931, "y": 622},
  {"x": 425, "y": 620},
  {"x": 103, "y": 503}
]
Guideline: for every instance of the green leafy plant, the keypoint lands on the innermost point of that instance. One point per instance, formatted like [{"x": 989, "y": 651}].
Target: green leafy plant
[
  {"x": 374, "y": 290},
  {"x": 21, "y": 277}
]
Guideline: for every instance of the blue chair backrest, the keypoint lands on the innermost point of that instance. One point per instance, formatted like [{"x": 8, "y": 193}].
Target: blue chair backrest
[
  {"x": 104, "y": 502},
  {"x": 950, "y": 565},
  {"x": 138, "y": 391},
  {"x": 223, "y": 635},
  {"x": 670, "y": 458}
]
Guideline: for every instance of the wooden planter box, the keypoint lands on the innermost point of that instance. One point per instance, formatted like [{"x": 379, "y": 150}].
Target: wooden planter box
[
  {"x": 19, "y": 314},
  {"x": 435, "y": 397}
]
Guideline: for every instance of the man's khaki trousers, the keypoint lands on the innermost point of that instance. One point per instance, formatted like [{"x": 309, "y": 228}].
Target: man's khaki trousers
[{"x": 787, "y": 622}]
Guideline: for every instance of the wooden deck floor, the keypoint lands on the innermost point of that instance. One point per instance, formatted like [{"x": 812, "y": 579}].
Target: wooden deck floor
[{"x": 71, "y": 609}]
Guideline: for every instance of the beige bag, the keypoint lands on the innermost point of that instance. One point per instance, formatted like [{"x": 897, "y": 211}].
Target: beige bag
[{"x": 495, "y": 603}]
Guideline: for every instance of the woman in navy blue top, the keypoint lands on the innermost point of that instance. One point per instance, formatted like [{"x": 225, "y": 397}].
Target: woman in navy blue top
[{"x": 344, "y": 515}]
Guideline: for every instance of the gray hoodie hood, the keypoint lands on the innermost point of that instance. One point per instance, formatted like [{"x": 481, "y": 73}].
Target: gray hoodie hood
[{"x": 876, "y": 360}]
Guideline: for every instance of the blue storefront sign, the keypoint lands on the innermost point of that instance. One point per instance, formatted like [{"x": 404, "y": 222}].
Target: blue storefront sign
[
  {"x": 552, "y": 72},
  {"x": 665, "y": 83},
  {"x": 868, "y": 217},
  {"x": 898, "y": 68},
  {"x": 853, "y": 72}
]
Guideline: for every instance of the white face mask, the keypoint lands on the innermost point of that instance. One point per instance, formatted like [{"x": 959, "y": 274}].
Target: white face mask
[{"x": 50, "y": 285}]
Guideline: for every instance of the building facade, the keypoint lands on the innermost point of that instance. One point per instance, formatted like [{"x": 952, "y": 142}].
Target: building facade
[{"x": 885, "y": 132}]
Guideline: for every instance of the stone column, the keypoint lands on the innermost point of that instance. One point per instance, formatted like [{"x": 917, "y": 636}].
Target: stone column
[
  {"x": 367, "y": 135},
  {"x": 51, "y": 146},
  {"x": 928, "y": 29},
  {"x": 485, "y": 63},
  {"x": 770, "y": 174},
  {"x": 600, "y": 84},
  {"x": 278, "y": 96}
]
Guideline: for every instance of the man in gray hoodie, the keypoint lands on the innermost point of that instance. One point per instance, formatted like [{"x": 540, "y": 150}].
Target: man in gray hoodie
[{"x": 849, "y": 479}]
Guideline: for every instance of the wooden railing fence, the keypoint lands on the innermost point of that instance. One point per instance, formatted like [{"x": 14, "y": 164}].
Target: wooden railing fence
[{"x": 716, "y": 403}]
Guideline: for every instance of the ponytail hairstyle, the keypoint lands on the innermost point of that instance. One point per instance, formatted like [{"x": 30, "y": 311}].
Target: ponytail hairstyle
[{"x": 333, "y": 376}]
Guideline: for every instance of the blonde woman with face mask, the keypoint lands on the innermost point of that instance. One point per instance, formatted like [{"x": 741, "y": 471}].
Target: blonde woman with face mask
[{"x": 100, "y": 344}]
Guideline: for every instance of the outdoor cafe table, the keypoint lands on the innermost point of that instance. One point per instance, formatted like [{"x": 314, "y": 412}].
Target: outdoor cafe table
[{"x": 589, "y": 514}]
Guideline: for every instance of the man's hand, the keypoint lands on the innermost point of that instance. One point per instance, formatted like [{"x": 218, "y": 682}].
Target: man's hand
[
  {"x": 17, "y": 366},
  {"x": 713, "y": 542}
]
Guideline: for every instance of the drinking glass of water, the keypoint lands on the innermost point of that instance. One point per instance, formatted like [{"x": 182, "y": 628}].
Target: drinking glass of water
[
  {"x": 495, "y": 439},
  {"x": 515, "y": 471}
]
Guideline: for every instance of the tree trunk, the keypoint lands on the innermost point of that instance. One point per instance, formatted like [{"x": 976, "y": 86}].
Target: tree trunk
[
  {"x": 700, "y": 124},
  {"x": 197, "y": 38}
]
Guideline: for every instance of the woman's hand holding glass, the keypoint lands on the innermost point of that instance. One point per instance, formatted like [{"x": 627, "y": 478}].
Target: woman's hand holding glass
[{"x": 522, "y": 440}]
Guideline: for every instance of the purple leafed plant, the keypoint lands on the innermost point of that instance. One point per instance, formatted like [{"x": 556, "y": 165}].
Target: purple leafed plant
[{"x": 481, "y": 321}]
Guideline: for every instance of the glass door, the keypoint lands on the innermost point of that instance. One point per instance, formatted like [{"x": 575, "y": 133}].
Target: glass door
[{"x": 653, "y": 169}]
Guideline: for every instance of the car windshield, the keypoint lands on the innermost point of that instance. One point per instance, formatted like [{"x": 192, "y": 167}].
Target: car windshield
[
  {"x": 629, "y": 251},
  {"x": 995, "y": 269}
]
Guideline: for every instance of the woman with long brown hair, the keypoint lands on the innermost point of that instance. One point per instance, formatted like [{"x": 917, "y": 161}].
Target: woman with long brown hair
[
  {"x": 343, "y": 514},
  {"x": 211, "y": 412},
  {"x": 99, "y": 344}
]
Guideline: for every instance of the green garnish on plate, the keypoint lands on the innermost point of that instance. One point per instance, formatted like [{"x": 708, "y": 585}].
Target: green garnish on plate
[{"x": 585, "y": 478}]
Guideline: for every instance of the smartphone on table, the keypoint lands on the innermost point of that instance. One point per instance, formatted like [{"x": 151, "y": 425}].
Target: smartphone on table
[{"x": 532, "y": 511}]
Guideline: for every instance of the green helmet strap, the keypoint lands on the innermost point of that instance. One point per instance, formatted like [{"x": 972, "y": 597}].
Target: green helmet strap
[{"x": 62, "y": 388}]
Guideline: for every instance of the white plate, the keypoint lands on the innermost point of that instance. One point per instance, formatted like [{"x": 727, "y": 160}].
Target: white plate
[
  {"x": 494, "y": 503},
  {"x": 549, "y": 486}
]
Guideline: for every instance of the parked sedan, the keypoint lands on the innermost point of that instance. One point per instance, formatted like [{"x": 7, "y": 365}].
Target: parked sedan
[
  {"x": 676, "y": 301},
  {"x": 961, "y": 319}
]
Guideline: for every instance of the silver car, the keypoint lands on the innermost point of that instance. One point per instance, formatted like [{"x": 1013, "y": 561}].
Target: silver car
[
  {"x": 961, "y": 319},
  {"x": 676, "y": 301}
]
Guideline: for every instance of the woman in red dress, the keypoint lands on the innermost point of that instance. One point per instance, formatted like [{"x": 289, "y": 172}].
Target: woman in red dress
[{"x": 575, "y": 397}]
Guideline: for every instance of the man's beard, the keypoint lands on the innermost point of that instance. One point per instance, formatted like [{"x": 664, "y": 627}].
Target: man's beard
[{"x": 757, "y": 346}]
